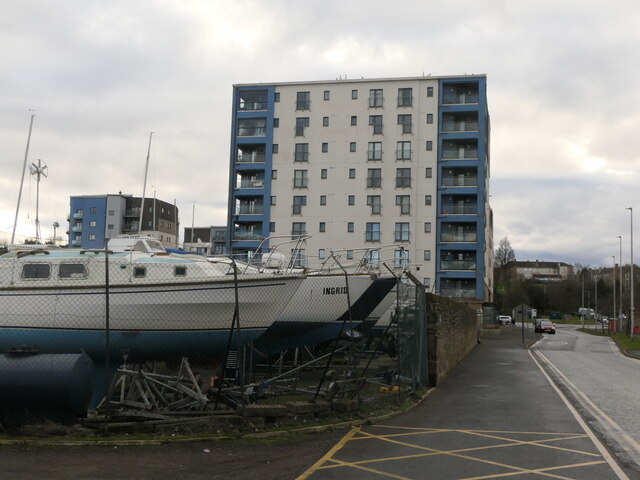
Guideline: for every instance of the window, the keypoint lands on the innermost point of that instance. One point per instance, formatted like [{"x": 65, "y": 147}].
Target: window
[
  {"x": 354, "y": 94},
  {"x": 36, "y": 270},
  {"x": 405, "y": 121},
  {"x": 351, "y": 200},
  {"x": 274, "y": 174},
  {"x": 354, "y": 120},
  {"x": 429, "y": 91},
  {"x": 300, "y": 179},
  {"x": 323, "y": 199},
  {"x": 403, "y": 177},
  {"x": 325, "y": 147},
  {"x": 180, "y": 271},
  {"x": 139, "y": 272},
  {"x": 374, "y": 202},
  {"x": 276, "y": 122},
  {"x": 372, "y": 232},
  {"x": 273, "y": 199},
  {"x": 427, "y": 227},
  {"x": 374, "y": 177},
  {"x": 92, "y": 210},
  {"x": 112, "y": 212},
  {"x": 303, "y": 100},
  {"x": 322, "y": 227},
  {"x": 376, "y": 122},
  {"x": 301, "y": 124},
  {"x": 350, "y": 227},
  {"x": 405, "y": 97},
  {"x": 402, "y": 232},
  {"x": 252, "y": 100},
  {"x": 429, "y": 117},
  {"x": 298, "y": 202},
  {"x": 349, "y": 254},
  {"x": 403, "y": 201},
  {"x": 327, "y": 95},
  {"x": 321, "y": 253},
  {"x": 427, "y": 255},
  {"x": 276, "y": 97},
  {"x": 298, "y": 257},
  {"x": 429, "y": 145},
  {"x": 429, "y": 172},
  {"x": 110, "y": 226},
  {"x": 93, "y": 237},
  {"x": 427, "y": 199},
  {"x": 374, "y": 152},
  {"x": 92, "y": 223},
  {"x": 400, "y": 259},
  {"x": 325, "y": 121},
  {"x": 302, "y": 152},
  {"x": 274, "y": 148},
  {"x": 252, "y": 127},
  {"x": 272, "y": 227},
  {"x": 403, "y": 151},
  {"x": 323, "y": 174},
  {"x": 299, "y": 228},
  {"x": 375, "y": 98},
  {"x": 352, "y": 146},
  {"x": 352, "y": 173}
]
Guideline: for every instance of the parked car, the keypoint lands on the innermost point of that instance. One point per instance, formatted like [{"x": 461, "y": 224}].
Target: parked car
[
  {"x": 504, "y": 320},
  {"x": 547, "y": 327},
  {"x": 536, "y": 325}
]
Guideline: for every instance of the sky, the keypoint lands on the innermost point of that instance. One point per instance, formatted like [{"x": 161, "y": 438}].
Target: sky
[{"x": 100, "y": 76}]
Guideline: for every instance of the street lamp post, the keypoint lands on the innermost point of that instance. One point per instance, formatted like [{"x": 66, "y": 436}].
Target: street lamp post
[
  {"x": 632, "y": 306},
  {"x": 614, "y": 289},
  {"x": 620, "y": 278}
]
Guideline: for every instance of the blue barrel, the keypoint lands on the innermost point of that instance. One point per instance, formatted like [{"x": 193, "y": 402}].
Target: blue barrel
[{"x": 37, "y": 386}]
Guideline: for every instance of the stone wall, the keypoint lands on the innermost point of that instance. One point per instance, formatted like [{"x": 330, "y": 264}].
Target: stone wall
[{"x": 452, "y": 332}]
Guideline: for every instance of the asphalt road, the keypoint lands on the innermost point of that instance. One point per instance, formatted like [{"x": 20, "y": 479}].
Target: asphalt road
[
  {"x": 496, "y": 416},
  {"x": 602, "y": 383}
]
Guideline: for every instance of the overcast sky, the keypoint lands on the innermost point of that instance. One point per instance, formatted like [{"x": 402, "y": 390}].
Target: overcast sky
[{"x": 562, "y": 91}]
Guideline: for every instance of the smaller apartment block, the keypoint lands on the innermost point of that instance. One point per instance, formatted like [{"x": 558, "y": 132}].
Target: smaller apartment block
[
  {"x": 399, "y": 162},
  {"x": 93, "y": 219}
]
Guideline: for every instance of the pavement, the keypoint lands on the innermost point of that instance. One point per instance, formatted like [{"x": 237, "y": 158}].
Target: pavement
[{"x": 497, "y": 415}]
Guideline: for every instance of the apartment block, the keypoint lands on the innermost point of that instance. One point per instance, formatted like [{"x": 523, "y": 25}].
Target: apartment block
[
  {"x": 395, "y": 163},
  {"x": 94, "y": 219}
]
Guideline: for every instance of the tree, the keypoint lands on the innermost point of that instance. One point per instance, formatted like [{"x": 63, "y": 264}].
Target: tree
[{"x": 504, "y": 253}]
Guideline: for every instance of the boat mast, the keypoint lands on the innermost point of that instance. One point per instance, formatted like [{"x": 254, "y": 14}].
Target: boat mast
[
  {"x": 144, "y": 186},
  {"x": 24, "y": 168}
]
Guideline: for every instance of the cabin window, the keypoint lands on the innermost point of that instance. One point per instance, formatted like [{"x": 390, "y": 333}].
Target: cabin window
[
  {"x": 140, "y": 272},
  {"x": 72, "y": 270},
  {"x": 180, "y": 271},
  {"x": 36, "y": 270}
]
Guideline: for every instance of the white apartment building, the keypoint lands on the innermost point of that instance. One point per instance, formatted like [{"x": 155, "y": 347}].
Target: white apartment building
[{"x": 399, "y": 164}]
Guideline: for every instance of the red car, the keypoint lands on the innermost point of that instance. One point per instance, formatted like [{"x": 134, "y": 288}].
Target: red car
[{"x": 547, "y": 327}]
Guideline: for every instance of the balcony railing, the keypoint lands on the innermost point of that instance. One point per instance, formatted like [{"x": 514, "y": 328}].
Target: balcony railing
[
  {"x": 468, "y": 209},
  {"x": 460, "y": 126},
  {"x": 458, "y": 264},
  {"x": 252, "y": 131},
  {"x": 77, "y": 228},
  {"x": 457, "y": 237},
  {"x": 460, "y": 181},
  {"x": 243, "y": 235},
  {"x": 460, "y": 153},
  {"x": 458, "y": 293},
  {"x": 251, "y": 158},
  {"x": 252, "y": 183},
  {"x": 78, "y": 215},
  {"x": 246, "y": 106},
  {"x": 250, "y": 210}
]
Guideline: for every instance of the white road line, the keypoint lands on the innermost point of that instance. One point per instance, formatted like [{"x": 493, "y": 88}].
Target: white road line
[{"x": 601, "y": 448}]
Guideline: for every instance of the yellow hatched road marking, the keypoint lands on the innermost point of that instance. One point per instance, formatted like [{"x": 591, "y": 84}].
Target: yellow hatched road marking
[{"x": 327, "y": 462}]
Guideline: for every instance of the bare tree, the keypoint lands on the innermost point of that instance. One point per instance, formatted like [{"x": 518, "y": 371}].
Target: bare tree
[{"x": 504, "y": 253}]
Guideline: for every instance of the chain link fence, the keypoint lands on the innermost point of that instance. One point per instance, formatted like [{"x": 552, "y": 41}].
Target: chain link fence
[{"x": 138, "y": 334}]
